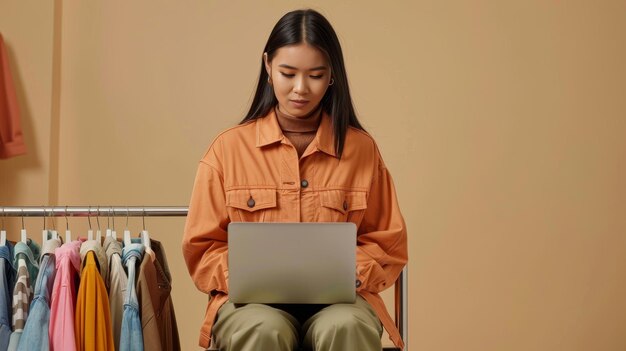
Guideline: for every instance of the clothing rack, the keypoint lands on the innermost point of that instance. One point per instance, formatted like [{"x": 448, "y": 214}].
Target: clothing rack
[
  {"x": 95, "y": 211},
  {"x": 401, "y": 288}
]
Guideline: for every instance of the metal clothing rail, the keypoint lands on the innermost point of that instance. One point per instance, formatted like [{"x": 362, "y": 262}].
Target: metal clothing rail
[
  {"x": 95, "y": 211},
  {"x": 401, "y": 288}
]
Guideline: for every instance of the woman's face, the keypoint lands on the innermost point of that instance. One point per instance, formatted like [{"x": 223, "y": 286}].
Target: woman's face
[{"x": 300, "y": 75}]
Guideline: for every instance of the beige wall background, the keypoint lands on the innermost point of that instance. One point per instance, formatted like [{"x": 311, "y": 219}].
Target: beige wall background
[{"x": 503, "y": 124}]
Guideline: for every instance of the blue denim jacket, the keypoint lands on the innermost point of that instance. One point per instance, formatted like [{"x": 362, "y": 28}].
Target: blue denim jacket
[
  {"x": 131, "y": 338},
  {"x": 35, "y": 335},
  {"x": 7, "y": 281}
]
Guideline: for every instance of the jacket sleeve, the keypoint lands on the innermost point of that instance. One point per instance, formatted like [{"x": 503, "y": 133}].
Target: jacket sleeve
[
  {"x": 382, "y": 237},
  {"x": 205, "y": 238},
  {"x": 11, "y": 137}
]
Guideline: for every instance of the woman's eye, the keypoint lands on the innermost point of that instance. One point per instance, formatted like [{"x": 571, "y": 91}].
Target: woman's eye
[
  {"x": 317, "y": 77},
  {"x": 287, "y": 75}
]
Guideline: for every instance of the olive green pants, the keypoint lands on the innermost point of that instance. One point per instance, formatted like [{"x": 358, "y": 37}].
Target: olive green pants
[{"x": 259, "y": 327}]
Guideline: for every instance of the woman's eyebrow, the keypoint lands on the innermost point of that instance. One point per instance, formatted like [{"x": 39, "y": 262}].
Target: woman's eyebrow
[{"x": 318, "y": 68}]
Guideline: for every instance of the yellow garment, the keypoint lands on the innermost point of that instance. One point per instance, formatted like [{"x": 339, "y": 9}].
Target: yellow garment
[{"x": 93, "y": 319}]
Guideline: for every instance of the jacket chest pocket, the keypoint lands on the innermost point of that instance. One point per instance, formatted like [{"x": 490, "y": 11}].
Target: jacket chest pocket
[
  {"x": 342, "y": 206},
  {"x": 251, "y": 205}
]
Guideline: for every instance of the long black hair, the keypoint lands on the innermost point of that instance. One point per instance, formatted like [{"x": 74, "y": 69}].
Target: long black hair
[{"x": 309, "y": 26}]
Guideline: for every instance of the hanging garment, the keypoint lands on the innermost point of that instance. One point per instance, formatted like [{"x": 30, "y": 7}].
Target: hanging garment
[
  {"x": 11, "y": 139},
  {"x": 147, "y": 299},
  {"x": 30, "y": 251},
  {"x": 92, "y": 324},
  {"x": 64, "y": 297},
  {"x": 7, "y": 281},
  {"x": 131, "y": 338},
  {"x": 116, "y": 284},
  {"x": 100, "y": 259},
  {"x": 154, "y": 286},
  {"x": 22, "y": 295},
  {"x": 25, "y": 260},
  {"x": 35, "y": 335}
]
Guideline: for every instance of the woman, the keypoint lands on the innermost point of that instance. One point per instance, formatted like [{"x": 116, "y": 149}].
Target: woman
[{"x": 299, "y": 155}]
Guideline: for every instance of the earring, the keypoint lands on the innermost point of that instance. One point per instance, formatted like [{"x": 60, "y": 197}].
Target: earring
[
  {"x": 332, "y": 81},
  {"x": 269, "y": 80}
]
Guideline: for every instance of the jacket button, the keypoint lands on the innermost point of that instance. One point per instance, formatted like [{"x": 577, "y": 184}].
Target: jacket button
[
  {"x": 345, "y": 205},
  {"x": 304, "y": 183},
  {"x": 251, "y": 202},
  {"x": 358, "y": 283}
]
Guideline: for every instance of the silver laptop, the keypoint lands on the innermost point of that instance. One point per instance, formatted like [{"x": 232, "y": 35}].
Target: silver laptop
[{"x": 308, "y": 263}]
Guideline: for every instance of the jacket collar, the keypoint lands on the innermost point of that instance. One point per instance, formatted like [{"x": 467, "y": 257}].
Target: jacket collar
[{"x": 268, "y": 132}]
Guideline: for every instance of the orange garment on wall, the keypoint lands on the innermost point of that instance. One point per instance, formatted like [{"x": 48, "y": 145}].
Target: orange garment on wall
[
  {"x": 11, "y": 139},
  {"x": 252, "y": 173}
]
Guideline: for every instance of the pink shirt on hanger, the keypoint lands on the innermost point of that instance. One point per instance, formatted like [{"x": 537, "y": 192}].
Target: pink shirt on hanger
[{"x": 63, "y": 299}]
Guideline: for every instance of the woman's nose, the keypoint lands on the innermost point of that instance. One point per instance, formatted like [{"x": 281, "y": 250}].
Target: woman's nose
[{"x": 300, "y": 86}]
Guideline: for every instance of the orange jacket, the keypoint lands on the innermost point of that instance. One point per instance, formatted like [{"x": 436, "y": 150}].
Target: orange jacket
[
  {"x": 11, "y": 139},
  {"x": 255, "y": 160},
  {"x": 92, "y": 327}
]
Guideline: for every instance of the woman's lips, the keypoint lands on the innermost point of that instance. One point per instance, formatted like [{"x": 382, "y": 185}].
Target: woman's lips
[{"x": 299, "y": 103}]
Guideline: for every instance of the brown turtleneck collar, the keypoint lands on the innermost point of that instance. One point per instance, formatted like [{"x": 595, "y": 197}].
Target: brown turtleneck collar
[
  {"x": 308, "y": 123},
  {"x": 299, "y": 130}
]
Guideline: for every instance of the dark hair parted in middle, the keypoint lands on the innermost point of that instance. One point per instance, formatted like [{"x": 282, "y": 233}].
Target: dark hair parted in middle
[{"x": 310, "y": 27}]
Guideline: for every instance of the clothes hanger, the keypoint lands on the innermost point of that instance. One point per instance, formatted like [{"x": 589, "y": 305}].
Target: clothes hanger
[
  {"x": 145, "y": 237},
  {"x": 108, "y": 231},
  {"x": 68, "y": 234},
  {"x": 55, "y": 234},
  {"x": 98, "y": 232},
  {"x": 23, "y": 231},
  {"x": 90, "y": 231},
  {"x": 113, "y": 232},
  {"x": 44, "y": 232},
  {"x": 126, "y": 231},
  {"x": 3, "y": 233}
]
